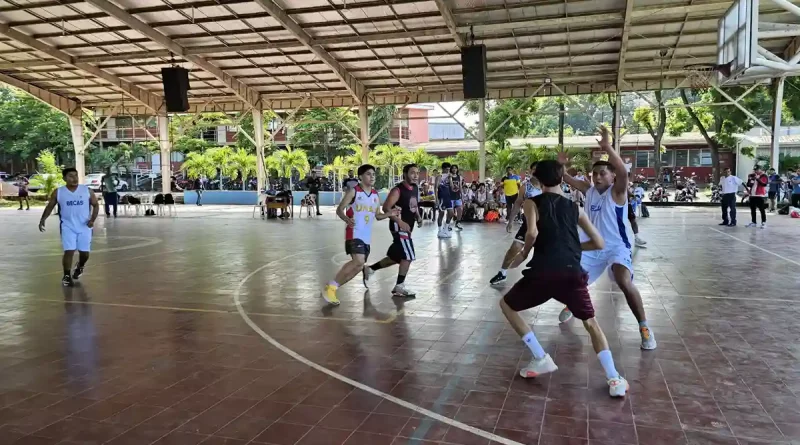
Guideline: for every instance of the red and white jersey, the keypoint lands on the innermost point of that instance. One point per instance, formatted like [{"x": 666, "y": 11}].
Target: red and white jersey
[{"x": 362, "y": 210}]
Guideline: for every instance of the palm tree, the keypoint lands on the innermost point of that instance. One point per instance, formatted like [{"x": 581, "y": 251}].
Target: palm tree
[
  {"x": 393, "y": 157},
  {"x": 245, "y": 163},
  {"x": 501, "y": 158},
  {"x": 289, "y": 160},
  {"x": 468, "y": 160},
  {"x": 422, "y": 158},
  {"x": 338, "y": 167},
  {"x": 198, "y": 164},
  {"x": 531, "y": 154},
  {"x": 221, "y": 158}
]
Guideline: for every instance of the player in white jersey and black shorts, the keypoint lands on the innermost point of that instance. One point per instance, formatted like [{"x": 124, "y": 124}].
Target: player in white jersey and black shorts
[
  {"x": 456, "y": 187},
  {"x": 607, "y": 207},
  {"x": 531, "y": 188},
  {"x": 404, "y": 197},
  {"x": 78, "y": 211},
  {"x": 441, "y": 192},
  {"x": 359, "y": 207}
]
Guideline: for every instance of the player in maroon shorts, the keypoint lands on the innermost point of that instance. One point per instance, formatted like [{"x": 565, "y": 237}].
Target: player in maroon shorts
[{"x": 555, "y": 272}]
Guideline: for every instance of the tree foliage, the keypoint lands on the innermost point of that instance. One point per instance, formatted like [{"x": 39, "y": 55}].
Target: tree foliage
[
  {"x": 506, "y": 118},
  {"x": 49, "y": 178}
]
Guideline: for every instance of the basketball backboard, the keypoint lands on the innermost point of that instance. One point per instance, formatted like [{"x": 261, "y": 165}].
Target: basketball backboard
[{"x": 738, "y": 38}]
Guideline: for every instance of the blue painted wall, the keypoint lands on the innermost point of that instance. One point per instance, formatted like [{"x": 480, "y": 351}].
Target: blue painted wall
[{"x": 238, "y": 197}]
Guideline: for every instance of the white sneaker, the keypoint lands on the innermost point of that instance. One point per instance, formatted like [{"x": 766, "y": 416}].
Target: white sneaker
[
  {"x": 400, "y": 291},
  {"x": 442, "y": 233},
  {"x": 565, "y": 315},
  {"x": 538, "y": 367},
  {"x": 640, "y": 242},
  {"x": 763, "y": 225},
  {"x": 617, "y": 387},
  {"x": 751, "y": 225},
  {"x": 648, "y": 339}
]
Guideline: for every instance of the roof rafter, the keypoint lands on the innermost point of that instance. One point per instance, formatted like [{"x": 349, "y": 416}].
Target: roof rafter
[
  {"x": 353, "y": 85},
  {"x": 623, "y": 46},
  {"x": 151, "y": 101},
  {"x": 450, "y": 21},
  {"x": 241, "y": 90},
  {"x": 70, "y": 107}
]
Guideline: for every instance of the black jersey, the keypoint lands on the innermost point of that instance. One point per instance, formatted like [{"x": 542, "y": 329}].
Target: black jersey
[
  {"x": 455, "y": 192},
  {"x": 407, "y": 201},
  {"x": 557, "y": 246}
]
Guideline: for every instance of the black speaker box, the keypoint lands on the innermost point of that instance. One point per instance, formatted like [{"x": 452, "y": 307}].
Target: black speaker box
[
  {"x": 473, "y": 71},
  {"x": 176, "y": 88}
]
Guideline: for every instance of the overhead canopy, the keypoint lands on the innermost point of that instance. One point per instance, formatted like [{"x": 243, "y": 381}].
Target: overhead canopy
[{"x": 284, "y": 53}]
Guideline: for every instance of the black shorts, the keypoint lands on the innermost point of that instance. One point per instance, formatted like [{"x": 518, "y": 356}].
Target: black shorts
[
  {"x": 568, "y": 287},
  {"x": 772, "y": 195},
  {"x": 511, "y": 199},
  {"x": 356, "y": 247},
  {"x": 402, "y": 248},
  {"x": 631, "y": 212},
  {"x": 523, "y": 229}
]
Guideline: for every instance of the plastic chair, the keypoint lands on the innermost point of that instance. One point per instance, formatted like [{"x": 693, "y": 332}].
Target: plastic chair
[
  {"x": 261, "y": 203},
  {"x": 169, "y": 203},
  {"x": 158, "y": 203}
]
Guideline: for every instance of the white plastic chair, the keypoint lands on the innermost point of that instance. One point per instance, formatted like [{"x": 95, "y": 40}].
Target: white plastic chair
[{"x": 261, "y": 204}]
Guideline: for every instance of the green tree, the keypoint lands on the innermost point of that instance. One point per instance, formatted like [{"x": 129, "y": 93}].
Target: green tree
[
  {"x": 468, "y": 160},
  {"x": 50, "y": 177},
  {"x": 323, "y": 133},
  {"x": 531, "y": 154},
  {"x": 423, "y": 159},
  {"x": 392, "y": 157},
  {"x": 288, "y": 161},
  {"x": 221, "y": 158},
  {"x": 500, "y": 157},
  {"x": 380, "y": 117},
  {"x": 244, "y": 163},
  {"x": 197, "y": 165},
  {"x": 506, "y": 118},
  {"x": 654, "y": 119},
  {"x": 338, "y": 168}
]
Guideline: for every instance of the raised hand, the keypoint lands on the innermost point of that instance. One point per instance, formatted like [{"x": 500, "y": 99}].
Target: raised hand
[{"x": 605, "y": 139}]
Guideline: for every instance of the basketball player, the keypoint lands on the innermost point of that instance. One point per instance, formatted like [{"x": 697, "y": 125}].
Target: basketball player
[
  {"x": 457, "y": 185},
  {"x": 607, "y": 207},
  {"x": 531, "y": 188},
  {"x": 405, "y": 197},
  {"x": 555, "y": 272},
  {"x": 358, "y": 208},
  {"x": 77, "y": 219},
  {"x": 443, "y": 199}
]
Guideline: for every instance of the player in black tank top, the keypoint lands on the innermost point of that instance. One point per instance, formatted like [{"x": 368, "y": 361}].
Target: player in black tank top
[
  {"x": 555, "y": 272},
  {"x": 404, "y": 196}
]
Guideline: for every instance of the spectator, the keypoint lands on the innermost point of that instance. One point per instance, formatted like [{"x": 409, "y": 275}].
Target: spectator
[
  {"x": 481, "y": 200},
  {"x": 314, "y": 183},
  {"x": 775, "y": 183},
  {"x": 22, "y": 186},
  {"x": 109, "y": 184},
  {"x": 349, "y": 182},
  {"x": 511, "y": 184},
  {"x": 757, "y": 184},
  {"x": 729, "y": 185},
  {"x": 199, "y": 186},
  {"x": 796, "y": 188}
]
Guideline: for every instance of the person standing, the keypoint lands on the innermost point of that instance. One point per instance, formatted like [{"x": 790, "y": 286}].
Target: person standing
[
  {"x": 199, "y": 186},
  {"x": 79, "y": 209},
  {"x": 555, "y": 271},
  {"x": 796, "y": 188},
  {"x": 314, "y": 183},
  {"x": 729, "y": 185},
  {"x": 349, "y": 182},
  {"x": 443, "y": 185},
  {"x": 109, "y": 183},
  {"x": 457, "y": 186},
  {"x": 757, "y": 185},
  {"x": 405, "y": 197},
  {"x": 22, "y": 193},
  {"x": 775, "y": 183},
  {"x": 510, "y": 188}
]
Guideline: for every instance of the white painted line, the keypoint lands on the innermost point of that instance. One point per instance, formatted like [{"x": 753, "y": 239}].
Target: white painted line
[
  {"x": 147, "y": 241},
  {"x": 710, "y": 297},
  {"x": 337, "y": 376},
  {"x": 757, "y": 247},
  {"x": 91, "y": 264}
]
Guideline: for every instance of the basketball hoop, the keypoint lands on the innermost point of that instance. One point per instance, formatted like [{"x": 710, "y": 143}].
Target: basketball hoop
[{"x": 704, "y": 75}]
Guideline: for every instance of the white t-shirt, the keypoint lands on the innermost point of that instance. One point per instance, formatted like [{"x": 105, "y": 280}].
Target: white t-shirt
[
  {"x": 638, "y": 192},
  {"x": 729, "y": 184}
]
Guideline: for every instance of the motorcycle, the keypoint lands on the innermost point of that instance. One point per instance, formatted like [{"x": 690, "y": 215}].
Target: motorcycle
[
  {"x": 716, "y": 197},
  {"x": 659, "y": 194},
  {"x": 691, "y": 187},
  {"x": 682, "y": 194}
]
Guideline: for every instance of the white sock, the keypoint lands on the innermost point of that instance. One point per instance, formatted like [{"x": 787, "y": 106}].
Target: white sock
[
  {"x": 607, "y": 361},
  {"x": 533, "y": 344},
  {"x": 503, "y": 271},
  {"x": 334, "y": 283}
]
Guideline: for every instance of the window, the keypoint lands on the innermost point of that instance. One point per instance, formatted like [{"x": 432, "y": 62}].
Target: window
[
  {"x": 644, "y": 159},
  {"x": 123, "y": 122},
  {"x": 667, "y": 158},
  {"x": 694, "y": 158},
  {"x": 681, "y": 158},
  {"x": 210, "y": 134},
  {"x": 705, "y": 158}
]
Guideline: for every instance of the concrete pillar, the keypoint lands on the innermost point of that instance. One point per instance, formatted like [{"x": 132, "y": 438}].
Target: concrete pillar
[
  {"x": 76, "y": 129},
  {"x": 777, "y": 109},
  {"x": 258, "y": 136},
  {"x": 363, "y": 125},
  {"x": 166, "y": 153},
  {"x": 482, "y": 139},
  {"x": 618, "y": 122}
]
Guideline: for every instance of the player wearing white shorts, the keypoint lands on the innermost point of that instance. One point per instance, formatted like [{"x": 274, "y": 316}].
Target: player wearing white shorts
[
  {"x": 78, "y": 209},
  {"x": 607, "y": 207},
  {"x": 359, "y": 207}
]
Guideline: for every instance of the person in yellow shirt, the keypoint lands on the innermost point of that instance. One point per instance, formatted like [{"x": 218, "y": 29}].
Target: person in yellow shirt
[{"x": 510, "y": 186}]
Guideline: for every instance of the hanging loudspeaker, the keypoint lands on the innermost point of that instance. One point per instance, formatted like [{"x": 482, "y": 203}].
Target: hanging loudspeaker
[
  {"x": 473, "y": 71},
  {"x": 176, "y": 88}
]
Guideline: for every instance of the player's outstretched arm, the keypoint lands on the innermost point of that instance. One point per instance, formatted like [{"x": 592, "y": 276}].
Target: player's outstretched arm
[{"x": 596, "y": 241}]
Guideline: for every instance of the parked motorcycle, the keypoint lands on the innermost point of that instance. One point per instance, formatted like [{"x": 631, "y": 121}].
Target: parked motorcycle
[
  {"x": 716, "y": 197},
  {"x": 691, "y": 187},
  {"x": 682, "y": 194},
  {"x": 659, "y": 194}
]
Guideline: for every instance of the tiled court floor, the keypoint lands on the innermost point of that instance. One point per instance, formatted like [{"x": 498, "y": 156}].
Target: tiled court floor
[{"x": 150, "y": 348}]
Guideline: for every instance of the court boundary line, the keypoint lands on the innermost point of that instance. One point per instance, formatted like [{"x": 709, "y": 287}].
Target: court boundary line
[
  {"x": 408, "y": 405},
  {"x": 147, "y": 241},
  {"x": 710, "y": 297},
  {"x": 756, "y": 246}
]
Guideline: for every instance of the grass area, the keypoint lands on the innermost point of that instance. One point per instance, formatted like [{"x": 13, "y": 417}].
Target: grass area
[{"x": 13, "y": 202}]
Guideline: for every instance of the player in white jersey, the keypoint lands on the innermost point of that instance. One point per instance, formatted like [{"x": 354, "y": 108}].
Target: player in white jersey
[
  {"x": 359, "y": 207},
  {"x": 607, "y": 207},
  {"x": 78, "y": 209},
  {"x": 443, "y": 186},
  {"x": 530, "y": 188}
]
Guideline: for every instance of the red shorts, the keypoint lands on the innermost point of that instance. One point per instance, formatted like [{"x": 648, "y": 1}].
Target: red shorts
[{"x": 537, "y": 287}]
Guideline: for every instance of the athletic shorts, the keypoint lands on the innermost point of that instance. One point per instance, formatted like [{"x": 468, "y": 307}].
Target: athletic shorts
[
  {"x": 402, "y": 248},
  {"x": 631, "y": 212},
  {"x": 511, "y": 199},
  {"x": 458, "y": 203},
  {"x": 598, "y": 261},
  {"x": 523, "y": 229},
  {"x": 772, "y": 195},
  {"x": 356, "y": 247},
  {"x": 80, "y": 240},
  {"x": 445, "y": 203},
  {"x": 569, "y": 287}
]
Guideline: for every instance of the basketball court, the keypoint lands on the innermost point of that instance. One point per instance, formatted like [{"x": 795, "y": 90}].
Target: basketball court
[{"x": 209, "y": 328}]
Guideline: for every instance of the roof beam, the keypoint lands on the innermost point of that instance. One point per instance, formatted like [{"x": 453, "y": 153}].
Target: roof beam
[
  {"x": 450, "y": 21},
  {"x": 353, "y": 85},
  {"x": 68, "y": 106},
  {"x": 146, "y": 98},
  {"x": 623, "y": 46},
  {"x": 241, "y": 90}
]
